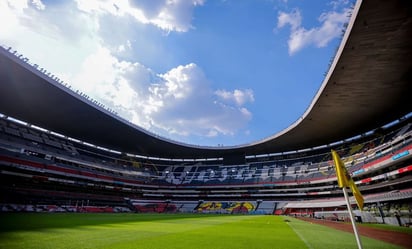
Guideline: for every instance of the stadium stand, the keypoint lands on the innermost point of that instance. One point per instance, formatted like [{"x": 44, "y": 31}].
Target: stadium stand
[
  {"x": 44, "y": 170},
  {"x": 76, "y": 178}
]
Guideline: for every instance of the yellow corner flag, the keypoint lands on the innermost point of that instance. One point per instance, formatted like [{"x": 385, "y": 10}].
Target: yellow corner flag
[{"x": 344, "y": 179}]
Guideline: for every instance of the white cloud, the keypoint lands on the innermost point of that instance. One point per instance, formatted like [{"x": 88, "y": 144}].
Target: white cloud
[
  {"x": 38, "y": 4},
  {"x": 339, "y": 3},
  {"x": 239, "y": 97},
  {"x": 190, "y": 106},
  {"x": 173, "y": 15},
  {"x": 47, "y": 36},
  {"x": 20, "y": 5},
  {"x": 330, "y": 28},
  {"x": 69, "y": 42},
  {"x": 169, "y": 15},
  {"x": 177, "y": 103},
  {"x": 123, "y": 47},
  {"x": 294, "y": 19}
]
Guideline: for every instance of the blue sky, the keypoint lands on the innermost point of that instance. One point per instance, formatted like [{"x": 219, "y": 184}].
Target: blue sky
[{"x": 203, "y": 72}]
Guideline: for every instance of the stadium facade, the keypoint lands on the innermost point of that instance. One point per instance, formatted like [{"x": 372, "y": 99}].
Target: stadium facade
[{"x": 60, "y": 150}]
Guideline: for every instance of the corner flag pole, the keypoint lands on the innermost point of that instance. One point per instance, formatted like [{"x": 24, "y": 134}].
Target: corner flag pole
[
  {"x": 355, "y": 230},
  {"x": 345, "y": 181}
]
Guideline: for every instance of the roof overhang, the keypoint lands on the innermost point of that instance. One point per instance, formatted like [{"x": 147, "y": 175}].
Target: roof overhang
[{"x": 368, "y": 85}]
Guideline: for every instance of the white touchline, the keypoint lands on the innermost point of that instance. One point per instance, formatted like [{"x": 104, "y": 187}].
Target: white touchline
[{"x": 300, "y": 236}]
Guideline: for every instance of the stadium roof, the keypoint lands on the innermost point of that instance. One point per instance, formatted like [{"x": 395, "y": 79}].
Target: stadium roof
[{"x": 368, "y": 85}]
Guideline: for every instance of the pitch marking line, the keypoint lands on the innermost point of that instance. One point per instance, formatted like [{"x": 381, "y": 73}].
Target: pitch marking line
[{"x": 300, "y": 236}]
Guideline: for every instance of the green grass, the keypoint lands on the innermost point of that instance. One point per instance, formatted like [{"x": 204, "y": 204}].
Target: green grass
[
  {"x": 323, "y": 237},
  {"x": 121, "y": 231},
  {"x": 390, "y": 228}
]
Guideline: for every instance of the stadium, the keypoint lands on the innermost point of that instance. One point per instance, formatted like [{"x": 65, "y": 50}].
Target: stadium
[{"x": 61, "y": 152}]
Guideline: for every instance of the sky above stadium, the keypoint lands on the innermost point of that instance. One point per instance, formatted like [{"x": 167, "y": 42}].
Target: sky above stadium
[{"x": 203, "y": 72}]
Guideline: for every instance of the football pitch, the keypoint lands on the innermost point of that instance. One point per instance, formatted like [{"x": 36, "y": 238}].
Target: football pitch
[{"x": 170, "y": 231}]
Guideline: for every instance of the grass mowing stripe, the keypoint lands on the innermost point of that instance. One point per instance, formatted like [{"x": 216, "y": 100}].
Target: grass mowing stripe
[
  {"x": 323, "y": 237},
  {"x": 136, "y": 231},
  {"x": 300, "y": 236},
  {"x": 242, "y": 232},
  {"x": 124, "y": 231}
]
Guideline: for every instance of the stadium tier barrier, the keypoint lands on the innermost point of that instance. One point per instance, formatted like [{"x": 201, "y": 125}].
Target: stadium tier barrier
[{"x": 45, "y": 158}]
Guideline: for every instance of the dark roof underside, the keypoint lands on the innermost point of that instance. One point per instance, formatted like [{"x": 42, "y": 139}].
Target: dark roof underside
[{"x": 370, "y": 86}]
